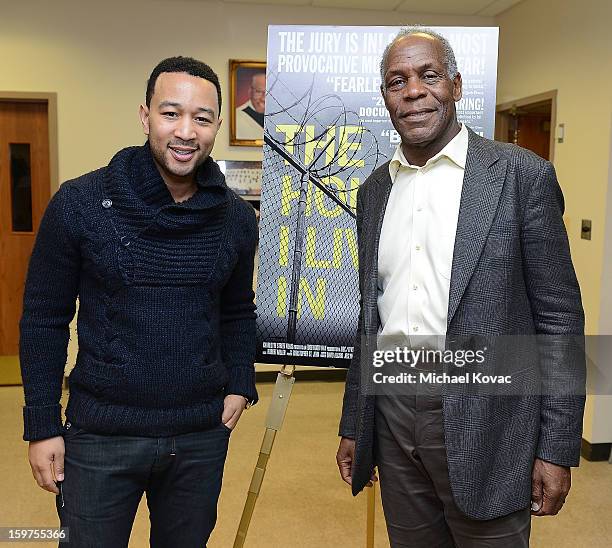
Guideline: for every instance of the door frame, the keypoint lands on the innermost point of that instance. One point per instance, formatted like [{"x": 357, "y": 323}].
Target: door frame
[
  {"x": 51, "y": 100},
  {"x": 501, "y": 126},
  {"x": 10, "y": 364}
]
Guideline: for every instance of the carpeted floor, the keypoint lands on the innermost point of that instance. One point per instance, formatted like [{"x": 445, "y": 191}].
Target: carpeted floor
[{"x": 303, "y": 502}]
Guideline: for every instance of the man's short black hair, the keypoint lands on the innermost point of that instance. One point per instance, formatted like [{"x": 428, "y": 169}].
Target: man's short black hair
[{"x": 183, "y": 64}]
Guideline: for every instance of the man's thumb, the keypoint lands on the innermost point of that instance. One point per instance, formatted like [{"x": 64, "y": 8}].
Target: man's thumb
[
  {"x": 536, "y": 496},
  {"x": 58, "y": 466}
]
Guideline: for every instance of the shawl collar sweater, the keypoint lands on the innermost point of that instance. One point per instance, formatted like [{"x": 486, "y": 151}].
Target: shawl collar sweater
[{"x": 166, "y": 322}]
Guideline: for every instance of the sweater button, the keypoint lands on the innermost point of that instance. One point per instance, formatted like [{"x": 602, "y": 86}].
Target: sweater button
[{"x": 107, "y": 203}]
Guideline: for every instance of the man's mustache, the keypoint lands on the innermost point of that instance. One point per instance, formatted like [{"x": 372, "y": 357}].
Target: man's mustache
[{"x": 188, "y": 144}]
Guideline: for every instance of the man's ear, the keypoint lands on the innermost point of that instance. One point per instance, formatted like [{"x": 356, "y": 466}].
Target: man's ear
[
  {"x": 219, "y": 122},
  {"x": 143, "y": 112},
  {"x": 457, "y": 87}
]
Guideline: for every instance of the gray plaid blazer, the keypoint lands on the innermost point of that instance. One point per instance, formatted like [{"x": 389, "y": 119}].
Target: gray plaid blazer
[{"x": 512, "y": 274}]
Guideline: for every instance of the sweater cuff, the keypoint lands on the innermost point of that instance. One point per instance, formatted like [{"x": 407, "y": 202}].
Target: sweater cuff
[
  {"x": 242, "y": 383},
  {"x": 42, "y": 422},
  {"x": 347, "y": 426}
]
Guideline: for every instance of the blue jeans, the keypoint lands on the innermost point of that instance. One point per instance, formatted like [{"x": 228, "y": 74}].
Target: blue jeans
[{"x": 106, "y": 476}]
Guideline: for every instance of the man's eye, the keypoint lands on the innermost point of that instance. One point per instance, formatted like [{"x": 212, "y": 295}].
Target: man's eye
[
  {"x": 170, "y": 114},
  {"x": 202, "y": 120},
  {"x": 429, "y": 76},
  {"x": 398, "y": 83}
]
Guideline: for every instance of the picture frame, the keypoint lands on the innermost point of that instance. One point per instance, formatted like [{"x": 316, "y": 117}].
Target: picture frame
[
  {"x": 243, "y": 177},
  {"x": 247, "y": 102}
]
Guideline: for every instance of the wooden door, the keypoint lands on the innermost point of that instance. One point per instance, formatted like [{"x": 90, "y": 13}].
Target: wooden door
[
  {"x": 24, "y": 194},
  {"x": 528, "y": 124},
  {"x": 532, "y": 131}
]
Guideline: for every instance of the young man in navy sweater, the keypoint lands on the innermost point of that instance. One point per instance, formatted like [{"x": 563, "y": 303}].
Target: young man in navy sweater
[{"x": 159, "y": 252}]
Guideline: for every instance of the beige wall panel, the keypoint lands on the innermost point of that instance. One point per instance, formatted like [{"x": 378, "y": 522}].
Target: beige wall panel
[
  {"x": 498, "y": 6},
  {"x": 465, "y": 7},
  {"x": 358, "y": 4},
  {"x": 273, "y": 2},
  {"x": 567, "y": 46}
]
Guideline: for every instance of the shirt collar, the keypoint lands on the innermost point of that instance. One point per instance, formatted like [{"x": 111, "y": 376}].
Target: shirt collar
[{"x": 455, "y": 151}]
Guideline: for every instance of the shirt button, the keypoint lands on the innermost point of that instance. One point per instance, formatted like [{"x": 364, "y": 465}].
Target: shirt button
[
  {"x": 419, "y": 208},
  {"x": 415, "y": 287},
  {"x": 418, "y": 248},
  {"x": 107, "y": 203},
  {"x": 415, "y": 328}
]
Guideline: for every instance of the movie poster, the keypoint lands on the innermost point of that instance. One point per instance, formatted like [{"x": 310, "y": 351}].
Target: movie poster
[{"x": 326, "y": 129}]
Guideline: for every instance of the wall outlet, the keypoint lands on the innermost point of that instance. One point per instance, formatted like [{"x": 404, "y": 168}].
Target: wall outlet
[{"x": 585, "y": 231}]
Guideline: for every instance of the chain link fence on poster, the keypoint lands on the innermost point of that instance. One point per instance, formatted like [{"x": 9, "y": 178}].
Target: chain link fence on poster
[{"x": 326, "y": 130}]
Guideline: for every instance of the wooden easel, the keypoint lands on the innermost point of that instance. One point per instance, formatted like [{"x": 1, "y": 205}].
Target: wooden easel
[{"x": 274, "y": 421}]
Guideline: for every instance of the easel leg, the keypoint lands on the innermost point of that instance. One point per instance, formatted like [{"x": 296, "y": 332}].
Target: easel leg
[
  {"x": 274, "y": 421},
  {"x": 371, "y": 491}
]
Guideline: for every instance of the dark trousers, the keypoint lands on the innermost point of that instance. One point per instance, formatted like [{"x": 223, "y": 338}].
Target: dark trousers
[
  {"x": 415, "y": 489},
  {"x": 106, "y": 476}
]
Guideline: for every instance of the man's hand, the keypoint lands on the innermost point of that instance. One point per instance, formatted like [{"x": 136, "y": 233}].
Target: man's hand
[
  {"x": 550, "y": 484},
  {"x": 344, "y": 459},
  {"x": 233, "y": 406},
  {"x": 47, "y": 462}
]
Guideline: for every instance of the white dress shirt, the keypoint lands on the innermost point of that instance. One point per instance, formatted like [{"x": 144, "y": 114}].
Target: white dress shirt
[{"x": 415, "y": 253}]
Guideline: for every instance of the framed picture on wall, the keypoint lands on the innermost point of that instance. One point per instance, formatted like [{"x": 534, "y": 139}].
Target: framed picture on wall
[
  {"x": 247, "y": 102},
  {"x": 243, "y": 177}
]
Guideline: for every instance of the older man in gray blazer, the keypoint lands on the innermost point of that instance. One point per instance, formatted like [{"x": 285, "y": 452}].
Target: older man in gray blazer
[{"x": 462, "y": 238}]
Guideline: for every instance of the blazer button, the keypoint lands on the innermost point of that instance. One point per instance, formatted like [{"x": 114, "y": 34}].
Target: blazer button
[{"x": 106, "y": 203}]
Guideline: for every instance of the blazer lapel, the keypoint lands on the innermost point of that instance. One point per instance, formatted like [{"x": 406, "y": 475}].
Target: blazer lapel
[
  {"x": 483, "y": 180},
  {"x": 377, "y": 203}
]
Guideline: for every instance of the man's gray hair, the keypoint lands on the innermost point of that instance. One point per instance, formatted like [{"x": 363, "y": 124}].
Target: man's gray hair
[{"x": 449, "y": 55}]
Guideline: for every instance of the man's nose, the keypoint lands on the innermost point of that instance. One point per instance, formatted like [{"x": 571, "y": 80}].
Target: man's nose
[
  {"x": 414, "y": 89},
  {"x": 185, "y": 129}
]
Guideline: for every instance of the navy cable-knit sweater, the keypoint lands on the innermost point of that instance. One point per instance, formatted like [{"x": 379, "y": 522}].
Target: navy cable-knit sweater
[{"x": 166, "y": 322}]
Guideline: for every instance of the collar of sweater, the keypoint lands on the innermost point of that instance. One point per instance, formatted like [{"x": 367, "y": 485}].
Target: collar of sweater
[{"x": 133, "y": 183}]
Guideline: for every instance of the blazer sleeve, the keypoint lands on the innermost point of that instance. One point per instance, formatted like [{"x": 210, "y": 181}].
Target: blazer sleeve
[
  {"x": 558, "y": 315},
  {"x": 348, "y": 421}
]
